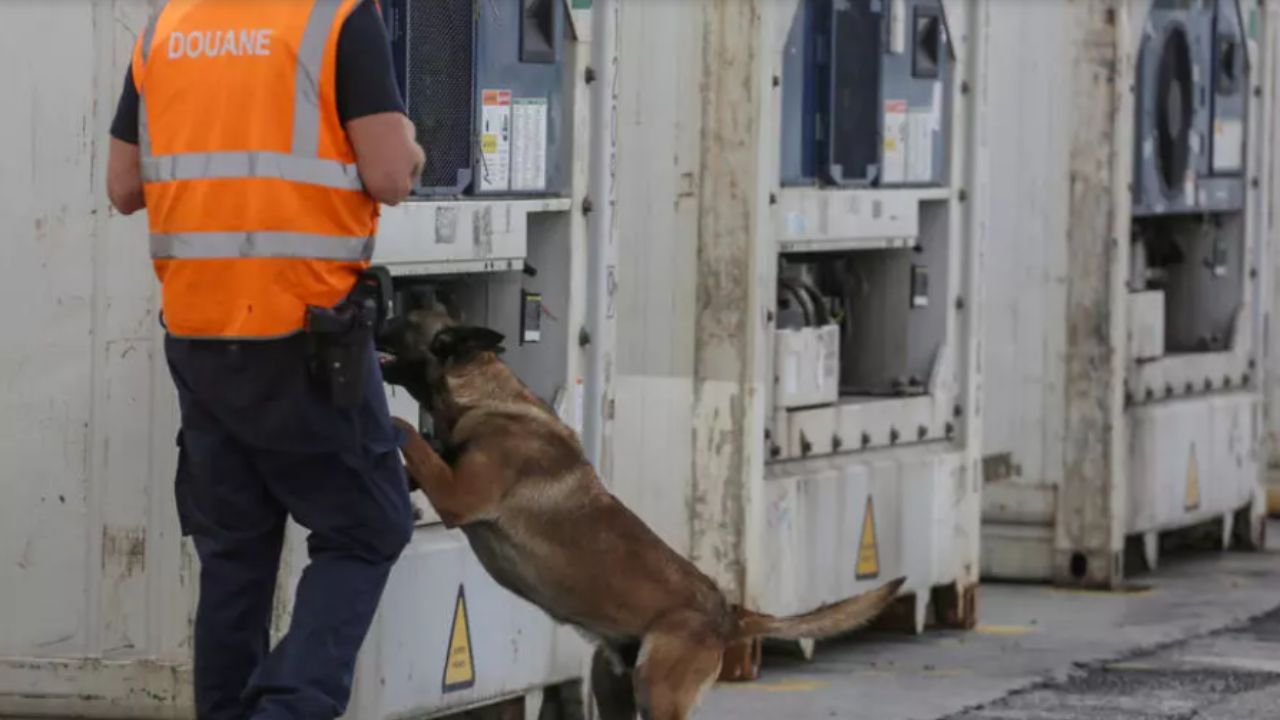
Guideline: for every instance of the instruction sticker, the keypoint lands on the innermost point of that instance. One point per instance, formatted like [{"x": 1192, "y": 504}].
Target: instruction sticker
[
  {"x": 529, "y": 144},
  {"x": 868, "y": 551},
  {"x": 895, "y": 141},
  {"x": 495, "y": 141},
  {"x": 1192, "y": 498},
  {"x": 920, "y": 146},
  {"x": 1228, "y": 145},
  {"x": 459, "y": 664}
]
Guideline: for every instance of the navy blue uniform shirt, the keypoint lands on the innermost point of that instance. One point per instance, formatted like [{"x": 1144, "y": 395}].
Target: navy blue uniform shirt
[{"x": 366, "y": 77}]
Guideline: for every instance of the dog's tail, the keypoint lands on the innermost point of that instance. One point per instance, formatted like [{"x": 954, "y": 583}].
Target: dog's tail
[{"x": 833, "y": 619}]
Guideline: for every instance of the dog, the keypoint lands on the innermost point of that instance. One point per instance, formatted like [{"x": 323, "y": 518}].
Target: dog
[{"x": 516, "y": 481}]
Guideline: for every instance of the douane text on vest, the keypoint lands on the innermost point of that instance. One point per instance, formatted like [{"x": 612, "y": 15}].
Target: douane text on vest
[{"x": 220, "y": 43}]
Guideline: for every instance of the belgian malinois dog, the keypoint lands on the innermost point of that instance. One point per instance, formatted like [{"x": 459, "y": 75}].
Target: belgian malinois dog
[{"x": 516, "y": 481}]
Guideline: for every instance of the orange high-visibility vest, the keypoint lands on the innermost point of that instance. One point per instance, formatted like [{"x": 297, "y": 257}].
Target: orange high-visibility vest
[{"x": 255, "y": 204}]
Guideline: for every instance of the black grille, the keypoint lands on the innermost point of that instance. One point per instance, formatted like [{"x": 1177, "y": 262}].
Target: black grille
[
  {"x": 440, "y": 52},
  {"x": 1175, "y": 100}
]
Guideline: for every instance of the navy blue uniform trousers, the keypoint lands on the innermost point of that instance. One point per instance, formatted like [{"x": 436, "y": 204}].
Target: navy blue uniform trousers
[{"x": 260, "y": 441}]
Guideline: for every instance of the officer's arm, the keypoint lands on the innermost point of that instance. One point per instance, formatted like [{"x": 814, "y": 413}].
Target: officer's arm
[
  {"x": 388, "y": 156},
  {"x": 124, "y": 177},
  {"x": 124, "y": 169}
]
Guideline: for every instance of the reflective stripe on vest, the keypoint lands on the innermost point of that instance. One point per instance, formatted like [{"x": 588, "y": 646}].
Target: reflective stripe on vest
[
  {"x": 235, "y": 165},
  {"x": 217, "y": 245},
  {"x": 301, "y": 166}
]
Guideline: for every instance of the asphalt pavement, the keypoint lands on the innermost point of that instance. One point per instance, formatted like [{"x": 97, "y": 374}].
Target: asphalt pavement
[{"x": 1198, "y": 639}]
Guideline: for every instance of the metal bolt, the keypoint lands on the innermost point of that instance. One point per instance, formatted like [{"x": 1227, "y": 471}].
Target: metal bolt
[
  {"x": 805, "y": 446},
  {"x": 587, "y": 206},
  {"x": 775, "y": 451},
  {"x": 866, "y": 440},
  {"x": 777, "y": 81},
  {"x": 922, "y": 432},
  {"x": 960, "y": 303},
  {"x": 964, "y": 87},
  {"x": 589, "y": 75},
  {"x": 584, "y": 337},
  {"x": 893, "y": 436},
  {"x": 836, "y": 442},
  {"x": 951, "y": 430}
]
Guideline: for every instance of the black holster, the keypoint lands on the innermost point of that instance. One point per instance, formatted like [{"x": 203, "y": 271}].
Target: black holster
[{"x": 341, "y": 337}]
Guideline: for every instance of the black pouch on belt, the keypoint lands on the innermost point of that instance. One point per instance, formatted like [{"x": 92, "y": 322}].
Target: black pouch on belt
[{"x": 341, "y": 337}]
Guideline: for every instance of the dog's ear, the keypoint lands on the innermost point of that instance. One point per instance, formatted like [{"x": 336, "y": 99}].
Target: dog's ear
[{"x": 461, "y": 343}]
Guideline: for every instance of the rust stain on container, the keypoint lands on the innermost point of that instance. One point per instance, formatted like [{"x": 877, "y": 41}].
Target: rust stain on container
[{"x": 124, "y": 549}]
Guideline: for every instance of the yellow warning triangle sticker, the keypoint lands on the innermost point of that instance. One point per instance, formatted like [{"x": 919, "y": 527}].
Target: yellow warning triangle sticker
[
  {"x": 459, "y": 665},
  {"x": 1192, "y": 498},
  {"x": 868, "y": 551}
]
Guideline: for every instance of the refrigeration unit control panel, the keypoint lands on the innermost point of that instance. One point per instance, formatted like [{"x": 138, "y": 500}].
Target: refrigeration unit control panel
[
  {"x": 866, "y": 86},
  {"x": 865, "y": 232},
  {"x": 483, "y": 81},
  {"x": 1189, "y": 274}
]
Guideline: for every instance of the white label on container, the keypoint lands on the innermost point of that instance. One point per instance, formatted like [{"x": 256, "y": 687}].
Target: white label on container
[
  {"x": 920, "y": 146},
  {"x": 895, "y": 141},
  {"x": 495, "y": 141},
  {"x": 829, "y": 376},
  {"x": 529, "y": 144},
  {"x": 1228, "y": 145}
]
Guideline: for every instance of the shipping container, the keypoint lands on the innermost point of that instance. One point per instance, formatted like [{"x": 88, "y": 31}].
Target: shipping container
[
  {"x": 99, "y": 584},
  {"x": 816, "y": 326},
  {"x": 1129, "y": 268}
]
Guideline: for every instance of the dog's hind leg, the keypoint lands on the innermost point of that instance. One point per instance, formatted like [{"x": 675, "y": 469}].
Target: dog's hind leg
[
  {"x": 679, "y": 660},
  {"x": 611, "y": 685}
]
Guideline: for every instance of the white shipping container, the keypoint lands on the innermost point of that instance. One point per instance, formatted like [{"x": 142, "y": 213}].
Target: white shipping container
[
  {"x": 98, "y": 586},
  {"x": 1108, "y": 427},
  {"x": 704, "y": 221}
]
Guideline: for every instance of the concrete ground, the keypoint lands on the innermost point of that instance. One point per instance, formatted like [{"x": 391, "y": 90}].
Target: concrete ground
[{"x": 1197, "y": 639}]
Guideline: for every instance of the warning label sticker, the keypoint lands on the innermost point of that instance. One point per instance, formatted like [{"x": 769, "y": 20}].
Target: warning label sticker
[
  {"x": 1191, "y": 500},
  {"x": 459, "y": 664},
  {"x": 868, "y": 551},
  {"x": 529, "y": 145},
  {"x": 895, "y": 141},
  {"x": 495, "y": 141}
]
